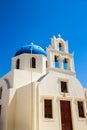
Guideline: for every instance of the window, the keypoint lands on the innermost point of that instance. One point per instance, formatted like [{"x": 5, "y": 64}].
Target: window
[
  {"x": 56, "y": 62},
  {"x": 18, "y": 64},
  {"x": 56, "y": 59},
  {"x": 64, "y": 88},
  {"x": 81, "y": 109},
  {"x": 65, "y": 62},
  {"x": 0, "y": 92},
  {"x": 46, "y": 64},
  {"x": 48, "y": 108},
  {"x": 60, "y": 47},
  {"x": 33, "y": 62},
  {"x": 0, "y": 110}
]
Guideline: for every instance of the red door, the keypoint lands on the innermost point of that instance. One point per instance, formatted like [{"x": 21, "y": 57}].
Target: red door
[{"x": 66, "y": 120}]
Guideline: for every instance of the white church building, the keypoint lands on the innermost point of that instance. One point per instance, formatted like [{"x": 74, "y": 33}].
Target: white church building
[{"x": 41, "y": 92}]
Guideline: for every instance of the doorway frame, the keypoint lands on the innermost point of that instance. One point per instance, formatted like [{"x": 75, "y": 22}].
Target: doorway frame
[{"x": 59, "y": 111}]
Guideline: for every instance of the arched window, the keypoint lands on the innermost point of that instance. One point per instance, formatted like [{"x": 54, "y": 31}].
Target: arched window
[
  {"x": 66, "y": 64},
  {"x": 0, "y": 92},
  {"x": 61, "y": 46},
  {"x": 46, "y": 63},
  {"x": 33, "y": 62},
  {"x": 18, "y": 64},
  {"x": 0, "y": 109},
  {"x": 56, "y": 62}
]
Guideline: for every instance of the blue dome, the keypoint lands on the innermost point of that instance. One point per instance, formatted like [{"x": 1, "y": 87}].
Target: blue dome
[{"x": 31, "y": 48}]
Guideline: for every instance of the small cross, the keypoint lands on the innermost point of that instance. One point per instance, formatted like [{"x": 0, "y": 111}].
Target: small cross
[{"x": 59, "y": 35}]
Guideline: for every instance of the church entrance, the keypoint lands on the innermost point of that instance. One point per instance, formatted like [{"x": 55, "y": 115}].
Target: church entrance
[{"x": 66, "y": 120}]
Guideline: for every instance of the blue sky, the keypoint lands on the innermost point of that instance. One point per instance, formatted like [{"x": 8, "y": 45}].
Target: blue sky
[{"x": 26, "y": 21}]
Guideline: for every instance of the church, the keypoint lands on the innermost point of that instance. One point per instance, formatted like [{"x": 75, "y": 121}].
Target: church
[{"x": 41, "y": 91}]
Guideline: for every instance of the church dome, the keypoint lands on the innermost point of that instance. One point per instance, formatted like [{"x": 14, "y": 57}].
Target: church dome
[{"x": 31, "y": 48}]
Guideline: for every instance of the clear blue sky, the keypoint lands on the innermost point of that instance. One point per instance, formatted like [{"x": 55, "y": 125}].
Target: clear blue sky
[{"x": 25, "y": 21}]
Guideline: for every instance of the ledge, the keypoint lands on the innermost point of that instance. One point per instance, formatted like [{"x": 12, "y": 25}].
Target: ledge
[{"x": 62, "y": 71}]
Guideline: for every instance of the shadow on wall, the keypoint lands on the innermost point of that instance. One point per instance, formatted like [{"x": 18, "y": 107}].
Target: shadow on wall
[
  {"x": 23, "y": 108},
  {"x": 4, "y": 104},
  {"x": 1, "y": 124},
  {"x": 17, "y": 112},
  {"x": 11, "y": 113}
]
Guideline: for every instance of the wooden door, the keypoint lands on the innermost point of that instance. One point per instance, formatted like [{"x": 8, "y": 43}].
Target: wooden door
[{"x": 66, "y": 120}]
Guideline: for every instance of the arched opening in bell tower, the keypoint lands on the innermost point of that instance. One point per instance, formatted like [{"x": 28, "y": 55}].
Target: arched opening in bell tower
[
  {"x": 56, "y": 62},
  {"x": 66, "y": 64},
  {"x": 61, "y": 46}
]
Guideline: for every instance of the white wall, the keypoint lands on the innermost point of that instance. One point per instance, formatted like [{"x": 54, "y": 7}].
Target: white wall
[
  {"x": 25, "y": 62},
  {"x": 49, "y": 88},
  {"x": 24, "y": 108}
]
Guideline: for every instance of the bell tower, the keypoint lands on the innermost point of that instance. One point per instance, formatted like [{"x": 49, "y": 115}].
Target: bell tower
[{"x": 59, "y": 57}]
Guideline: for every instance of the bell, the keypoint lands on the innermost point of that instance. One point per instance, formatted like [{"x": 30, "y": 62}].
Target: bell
[
  {"x": 65, "y": 60},
  {"x": 60, "y": 45}
]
